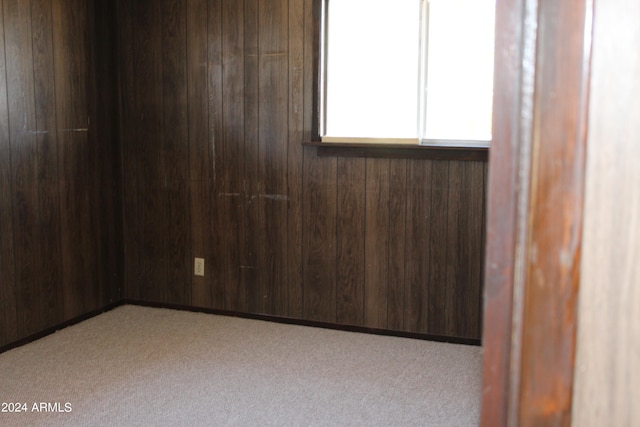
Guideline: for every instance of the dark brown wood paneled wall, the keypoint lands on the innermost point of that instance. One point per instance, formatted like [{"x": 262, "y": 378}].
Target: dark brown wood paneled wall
[
  {"x": 60, "y": 241},
  {"x": 216, "y": 99}
]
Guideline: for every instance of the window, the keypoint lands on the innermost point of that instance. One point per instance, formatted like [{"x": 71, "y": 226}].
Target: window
[{"x": 407, "y": 71}]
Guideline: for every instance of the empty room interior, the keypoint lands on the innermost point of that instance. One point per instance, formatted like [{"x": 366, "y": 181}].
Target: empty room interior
[{"x": 189, "y": 235}]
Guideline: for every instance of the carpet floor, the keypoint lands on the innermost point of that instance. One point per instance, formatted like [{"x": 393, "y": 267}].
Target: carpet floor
[{"x": 147, "y": 366}]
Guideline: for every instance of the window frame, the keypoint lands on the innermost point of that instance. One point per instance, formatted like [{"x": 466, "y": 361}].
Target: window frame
[{"x": 435, "y": 149}]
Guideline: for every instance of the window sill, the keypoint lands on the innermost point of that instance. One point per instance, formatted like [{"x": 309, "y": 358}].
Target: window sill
[{"x": 399, "y": 151}]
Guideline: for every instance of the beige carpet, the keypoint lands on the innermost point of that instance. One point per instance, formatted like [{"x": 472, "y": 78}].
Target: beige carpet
[{"x": 146, "y": 366}]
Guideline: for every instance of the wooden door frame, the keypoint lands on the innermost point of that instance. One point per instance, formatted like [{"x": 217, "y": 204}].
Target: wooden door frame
[{"x": 535, "y": 209}]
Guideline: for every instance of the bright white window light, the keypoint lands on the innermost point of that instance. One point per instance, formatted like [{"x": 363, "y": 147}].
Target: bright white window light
[
  {"x": 372, "y": 68},
  {"x": 459, "y": 79},
  {"x": 408, "y": 70}
]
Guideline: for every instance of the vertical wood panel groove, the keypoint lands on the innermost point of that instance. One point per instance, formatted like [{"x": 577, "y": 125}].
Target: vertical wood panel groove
[
  {"x": 350, "y": 235},
  {"x": 23, "y": 136},
  {"x": 200, "y": 152},
  {"x": 58, "y": 159},
  {"x": 9, "y": 303},
  {"x": 365, "y": 319},
  {"x": 131, "y": 183},
  {"x": 189, "y": 195},
  {"x": 295, "y": 157},
  {"x": 52, "y": 187},
  {"x": 46, "y": 161},
  {"x": 293, "y": 234},
  {"x": 397, "y": 214},
  {"x": 404, "y": 258},
  {"x": 335, "y": 213},
  {"x": 203, "y": 104},
  {"x": 439, "y": 256}
]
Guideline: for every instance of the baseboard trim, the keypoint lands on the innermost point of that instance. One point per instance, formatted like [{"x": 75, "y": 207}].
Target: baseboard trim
[
  {"x": 56, "y": 328},
  {"x": 310, "y": 323},
  {"x": 265, "y": 317}
]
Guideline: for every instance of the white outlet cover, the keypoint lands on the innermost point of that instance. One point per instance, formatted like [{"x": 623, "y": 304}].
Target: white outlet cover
[{"x": 198, "y": 266}]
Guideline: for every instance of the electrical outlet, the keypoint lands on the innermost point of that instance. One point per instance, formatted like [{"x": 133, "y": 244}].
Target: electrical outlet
[{"x": 198, "y": 266}]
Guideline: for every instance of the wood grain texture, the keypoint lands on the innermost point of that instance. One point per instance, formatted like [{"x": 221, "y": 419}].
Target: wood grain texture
[
  {"x": 152, "y": 158},
  {"x": 607, "y": 372},
  {"x": 84, "y": 242},
  {"x": 397, "y": 247},
  {"x": 76, "y": 174},
  {"x": 100, "y": 74},
  {"x": 505, "y": 193},
  {"x": 176, "y": 149},
  {"x": 230, "y": 157},
  {"x": 214, "y": 31},
  {"x": 376, "y": 246},
  {"x": 350, "y": 245},
  {"x": 398, "y": 151},
  {"x": 535, "y": 216},
  {"x": 456, "y": 267},
  {"x": 47, "y": 164},
  {"x": 24, "y": 164},
  {"x": 287, "y": 233},
  {"x": 127, "y": 107},
  {"x": 295, "y": 161},
  {"x": 200, "y": 166},
  {"x": 273, "y": 142},
  {"x": 310, "y": 65},
  {"x": 465, "y": 225},
  {"x": 418, "y": 247},
  {"x": 553, "y": 243},
  {"x": 8, "y": 306},
  {"x": 56, "y": 198},
  {"x": 249, "y": 266},
  {"x": 439, "y": 244},
  {"x": 320, "y": 240},
  {"x": 213, "y": 100},
  {"x": 471, "y": 246},
  {"x": 103, "y": 109}
]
